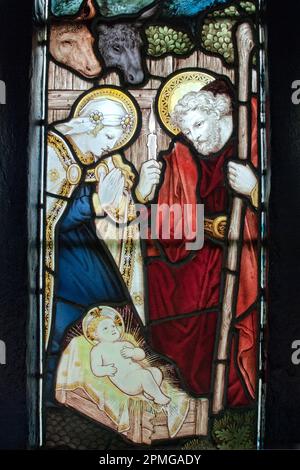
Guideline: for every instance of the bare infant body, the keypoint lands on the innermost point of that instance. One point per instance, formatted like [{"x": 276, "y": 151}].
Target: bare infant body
[{"x": 121, "y": 362}]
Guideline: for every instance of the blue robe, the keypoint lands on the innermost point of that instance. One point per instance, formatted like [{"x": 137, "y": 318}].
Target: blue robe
[{"x": 86, "y": 274}]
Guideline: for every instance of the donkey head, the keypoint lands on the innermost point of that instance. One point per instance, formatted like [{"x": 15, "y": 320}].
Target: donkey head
[{"x": 120, "y": 46}]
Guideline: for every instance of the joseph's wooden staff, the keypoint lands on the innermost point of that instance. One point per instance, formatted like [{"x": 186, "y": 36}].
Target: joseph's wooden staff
[{"x": 245, "y": 45}]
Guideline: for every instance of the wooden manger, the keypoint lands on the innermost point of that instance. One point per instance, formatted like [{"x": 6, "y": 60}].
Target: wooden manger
[{"x": 145, "y": 426}]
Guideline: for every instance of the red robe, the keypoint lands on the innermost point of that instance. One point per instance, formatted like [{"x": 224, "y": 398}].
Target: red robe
[{"x": 188, "y": 284}]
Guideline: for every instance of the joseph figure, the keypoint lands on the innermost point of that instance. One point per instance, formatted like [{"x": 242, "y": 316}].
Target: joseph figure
[{"x": 186, "y": 287}]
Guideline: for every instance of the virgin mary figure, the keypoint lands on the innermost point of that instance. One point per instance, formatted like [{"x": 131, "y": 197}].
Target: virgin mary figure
[{"x": 88, "y": 198}]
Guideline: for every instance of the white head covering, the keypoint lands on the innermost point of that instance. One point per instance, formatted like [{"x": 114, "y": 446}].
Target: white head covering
[{"x": 95, "y": 115}]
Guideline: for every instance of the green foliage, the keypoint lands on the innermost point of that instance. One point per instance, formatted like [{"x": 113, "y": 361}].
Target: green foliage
[
  {"x": 199, "y": 444},
  {"x": 217, "y": 29},
  {"x": 226, "y": 12},
  {"x": 163, "y": 39},
  {"x": 249, "y": 7},
  {"x": 217, "y": 37},
  {"x": 235, "y": 431}
]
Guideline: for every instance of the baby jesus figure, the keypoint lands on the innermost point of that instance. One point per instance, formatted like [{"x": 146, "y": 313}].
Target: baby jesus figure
[{"x": 121, "y": 361}]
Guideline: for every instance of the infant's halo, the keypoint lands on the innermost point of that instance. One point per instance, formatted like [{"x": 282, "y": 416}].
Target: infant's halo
[{"x": 105, "y": 312}]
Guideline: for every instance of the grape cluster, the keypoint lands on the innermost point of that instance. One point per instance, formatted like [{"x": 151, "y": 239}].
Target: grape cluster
[
  {"x": 163, "y": 39},
  {"x": 227, "y": 12},
  {"x": 217, "y": 37},
  {"x": 249, "y": 7},
  {"x": 216, "y": 34}
]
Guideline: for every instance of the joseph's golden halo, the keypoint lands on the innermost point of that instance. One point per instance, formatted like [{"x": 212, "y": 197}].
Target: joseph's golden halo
[
  {"x": 114, "y": 94},
  {"x": 176, "y": 88}
]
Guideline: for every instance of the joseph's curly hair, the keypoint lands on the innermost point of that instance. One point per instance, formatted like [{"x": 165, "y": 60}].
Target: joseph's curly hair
[{"x": 219, "y": 104}]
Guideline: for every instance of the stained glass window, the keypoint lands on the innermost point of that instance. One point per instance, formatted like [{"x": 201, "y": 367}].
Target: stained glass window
[{"x": 152, "y": 124}]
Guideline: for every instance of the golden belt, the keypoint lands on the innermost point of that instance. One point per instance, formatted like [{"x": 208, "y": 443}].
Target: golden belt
[{"x": 216, "y": 228}]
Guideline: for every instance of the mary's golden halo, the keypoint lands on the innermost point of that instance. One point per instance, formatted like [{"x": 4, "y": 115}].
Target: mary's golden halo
[
  {"x": 176, "y": 88},
  {"x": 117, "y": 95}
]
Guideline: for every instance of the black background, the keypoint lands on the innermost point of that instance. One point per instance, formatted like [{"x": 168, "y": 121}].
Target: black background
[
  {"x": 283, "y": 378},
  {"x": 283, "y": 404},
  {"x": 15, "y": 54}
]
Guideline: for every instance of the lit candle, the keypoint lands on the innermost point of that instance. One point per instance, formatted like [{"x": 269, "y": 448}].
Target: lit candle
[{"x": 152, "y": 137}]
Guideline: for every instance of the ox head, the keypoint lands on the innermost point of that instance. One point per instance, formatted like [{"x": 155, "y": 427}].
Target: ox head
[
  {"x": 120, "y": 46},
  {"x": 72, "y": 44}
]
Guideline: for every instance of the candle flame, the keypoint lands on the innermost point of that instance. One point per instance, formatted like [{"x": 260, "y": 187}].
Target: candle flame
[{"x": 152, "y": 124}]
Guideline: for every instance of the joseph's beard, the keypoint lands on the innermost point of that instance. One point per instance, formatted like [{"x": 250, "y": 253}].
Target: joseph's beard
[{"x": 211, "y": 145}]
